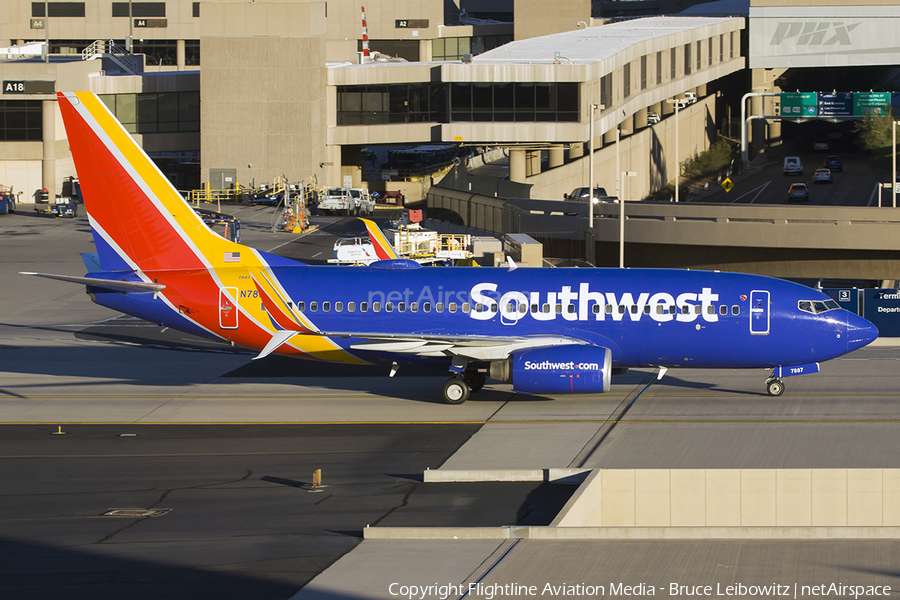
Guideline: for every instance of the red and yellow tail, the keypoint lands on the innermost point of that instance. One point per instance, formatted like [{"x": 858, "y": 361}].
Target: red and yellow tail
[{"x": 136, "y": 213}]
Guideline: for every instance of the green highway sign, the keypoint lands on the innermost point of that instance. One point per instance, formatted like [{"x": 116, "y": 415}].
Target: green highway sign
[
  {"x": 875, "y": 104},
  {"x": 798, "y": 104}
]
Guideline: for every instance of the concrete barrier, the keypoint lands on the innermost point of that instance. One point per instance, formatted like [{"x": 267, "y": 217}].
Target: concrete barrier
[{"x": 570, "y": 476}]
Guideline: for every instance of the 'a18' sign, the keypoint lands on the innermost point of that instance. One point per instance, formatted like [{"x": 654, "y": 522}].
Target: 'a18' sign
[{"x": 13, "y": 87}]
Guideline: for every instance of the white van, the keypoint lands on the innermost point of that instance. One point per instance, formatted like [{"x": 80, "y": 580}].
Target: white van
[{"x": 793, "y": 165}]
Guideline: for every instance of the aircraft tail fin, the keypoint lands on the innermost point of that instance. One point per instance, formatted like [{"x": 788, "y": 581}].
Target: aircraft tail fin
[
  {"x": 139, "y": 220},
  {"x": 383, "y": 248}
]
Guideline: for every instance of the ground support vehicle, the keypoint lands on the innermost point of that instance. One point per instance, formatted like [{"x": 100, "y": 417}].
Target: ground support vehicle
[
  {"x": 63, "y": 206},
  {"x": 337, "y": 201},
  {"x": 7, "y": 200}
]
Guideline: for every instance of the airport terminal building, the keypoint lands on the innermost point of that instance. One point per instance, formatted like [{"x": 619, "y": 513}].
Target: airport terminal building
[{"x": 232, "y": 92}]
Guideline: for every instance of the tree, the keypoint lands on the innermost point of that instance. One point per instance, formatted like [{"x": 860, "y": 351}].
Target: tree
[{"x": 874, "y": 133}]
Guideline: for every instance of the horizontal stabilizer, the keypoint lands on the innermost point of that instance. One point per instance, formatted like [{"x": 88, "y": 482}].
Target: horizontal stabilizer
[
  {"x": 280, "y": 337},
  {"x": 110, "y": 284}
]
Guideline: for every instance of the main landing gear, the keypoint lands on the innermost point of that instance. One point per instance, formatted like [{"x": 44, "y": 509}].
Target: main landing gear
[{"x": 456, "y": 390}]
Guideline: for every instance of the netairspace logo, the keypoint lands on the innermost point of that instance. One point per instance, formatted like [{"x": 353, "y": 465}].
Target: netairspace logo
[{"x": 824, "y": 33}]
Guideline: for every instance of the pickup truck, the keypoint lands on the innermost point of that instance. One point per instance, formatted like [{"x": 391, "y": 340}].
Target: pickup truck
[
  {"x": 337, "y": 201},
  {"x": 581, "y": 193},
  {"x": 365, "y": 205}
]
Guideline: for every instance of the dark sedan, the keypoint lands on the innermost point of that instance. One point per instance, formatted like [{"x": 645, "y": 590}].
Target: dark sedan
[{"x": 834, "y": 163}]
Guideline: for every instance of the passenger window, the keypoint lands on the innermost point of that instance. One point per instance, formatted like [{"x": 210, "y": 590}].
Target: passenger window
[
  {"x": 685, "y": 310},
  {"x": 736, "y": 310},
  {"x": 522, "y": 308},
  {"x": 439, "y": 307},
  {"x": 326, "y": 306},
  {"x": 466, "y": 307},
  {"x": 723, "y": 310},
  {"x": 414, "y": 307},
  {"x": 710, "y": 309},
  {"x": 673, "y": 310},
  {"x": 389, "y": 307},
  {"x": 452, "y": 307},
  {"x": 426, "y": 307},
  {"x": 493, "y": 307},
  {"x": 621, "y": 309},
  {"x": 511, "y": 307},
  {"x": 401, "y": 307},
  {"x": 534, "y": 308},
  {"x": 545, "y": 308},
  {"x": 558, "y": 308},
  {"x": 313, "y": 306},
  {"x": 646, "y": 309},
  {"x": 338, "y": 306},
  {"x": 301, "y": 306},
  {"x": 698, "y": 309},
  {"x": 376, "y": 307},
  {"x": 634, "y": 309},
  {"x": 571, "y": 309},
  {"x": 351, "y": 307},
  {"x": 609, "y": 309},
  {"x": 659, "y": 309},
  {"x": 595, "y": 309},
  {"x": 479, "y": 307},
  {"x": 363, "y": 307}
]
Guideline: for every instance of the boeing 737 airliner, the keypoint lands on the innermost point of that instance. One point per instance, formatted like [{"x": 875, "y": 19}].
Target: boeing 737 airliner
[{"x": 546, "y": 331}]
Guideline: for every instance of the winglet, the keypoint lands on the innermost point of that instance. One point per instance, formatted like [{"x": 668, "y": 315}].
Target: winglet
[
  {"x": 383, "y": 248},
  {"x": 512, "y": 265}
]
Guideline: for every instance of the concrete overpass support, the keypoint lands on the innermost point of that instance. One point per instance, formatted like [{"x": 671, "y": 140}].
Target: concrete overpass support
[
  {"x": 666, "y": 109},
  {"x": 640, "y": 118},
  {"x": 701, "y": 90},
  {"x": 533, "y": 163},
  {"x": 609, "y": 138},
  {"x": 626, "y": 127},
  {"x": 517, "y": 166},
  {"x": 576, "y": 151},
  {"x": 48, "y": 139},
  {"x": 557, "y": 156}
]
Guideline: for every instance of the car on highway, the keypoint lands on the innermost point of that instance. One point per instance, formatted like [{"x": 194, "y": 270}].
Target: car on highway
[
  {"x": 822, "y": 176},
  {"x": 821, "y": 146},
  {"x": 798, "y": 192},
  {"x": 581, "y": 193},
  {"x": 653, "y": 118},
  {"x": 793, "y": 165},
  {"x": 834, "y": 163}
]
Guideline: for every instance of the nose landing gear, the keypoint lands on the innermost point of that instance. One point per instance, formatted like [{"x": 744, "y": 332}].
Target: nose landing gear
[{"x": 774, "y": 386}]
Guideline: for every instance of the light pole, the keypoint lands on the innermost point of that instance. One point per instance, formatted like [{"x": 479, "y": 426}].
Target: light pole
[
  {"x": 623, "y": 174},
  {"x": 677, "y": 161},
  {"x": 894, "y": 163},
  {"x": 589, "y": 250},
  {"x": 677, "y": 103}
]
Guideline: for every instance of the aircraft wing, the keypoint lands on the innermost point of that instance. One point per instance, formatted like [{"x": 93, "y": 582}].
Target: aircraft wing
[
  {"x": 110, "y": 284},
  {"x": 471, "y": 347}
]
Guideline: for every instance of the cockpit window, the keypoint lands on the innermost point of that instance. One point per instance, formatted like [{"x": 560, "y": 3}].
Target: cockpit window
[{"x": 817, "y": 306}]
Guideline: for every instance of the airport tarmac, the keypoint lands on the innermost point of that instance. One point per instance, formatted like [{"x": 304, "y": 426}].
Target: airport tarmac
[{"x": 65, "y": 362}]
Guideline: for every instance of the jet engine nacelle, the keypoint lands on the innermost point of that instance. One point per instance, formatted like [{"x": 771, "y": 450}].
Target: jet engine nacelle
[{"x": 575, "y": 369}]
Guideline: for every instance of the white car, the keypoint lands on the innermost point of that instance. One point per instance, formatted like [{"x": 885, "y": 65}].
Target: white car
[
  {"x": 363, "y": 202},
  {"x": 653, "y": 118},
  {"x": 690, "y": 97}
]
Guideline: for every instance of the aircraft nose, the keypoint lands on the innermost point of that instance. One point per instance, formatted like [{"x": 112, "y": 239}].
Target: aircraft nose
[{"x": 860, "y": 332}]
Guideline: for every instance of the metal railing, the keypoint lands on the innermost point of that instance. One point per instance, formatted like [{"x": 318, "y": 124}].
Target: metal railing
[{"x": 108, "y": 48}]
